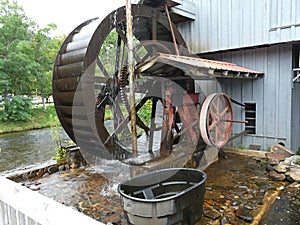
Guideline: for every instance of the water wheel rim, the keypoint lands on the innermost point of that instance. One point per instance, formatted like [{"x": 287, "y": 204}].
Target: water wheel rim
[{"x": 85, "y": 80}]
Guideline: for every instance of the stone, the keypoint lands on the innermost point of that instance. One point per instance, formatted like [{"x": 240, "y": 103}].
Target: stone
[
  {"x": 210, "y": 212},
  {"x": 281, "y": 150},
  {"x": 40, "y": 173},
  {"x": 61, "y": 168},
  {"x": 224, "y": 221},
  {"x": 273, "y": 161},
  {"x": 281, "y": 168},
  {"x": 67, "y": 167},
  {"x": 278, "y": 156},
  {"x": 277, "y": 176},
  {"x": 291, "y": 160},
  {"x": 244, "y": 214},
  {"x": 294, "y": 173},
  {"x": 269, "y": 167},
  {"x": 52, "y": 169},
  {"x": 289, "y": 179},
  {"x": 74, "y": 165},
  {"x": 34, "y": 187}
]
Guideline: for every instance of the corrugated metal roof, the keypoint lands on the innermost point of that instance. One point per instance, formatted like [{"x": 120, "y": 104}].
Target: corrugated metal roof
[{"x": 166, "y": 64}]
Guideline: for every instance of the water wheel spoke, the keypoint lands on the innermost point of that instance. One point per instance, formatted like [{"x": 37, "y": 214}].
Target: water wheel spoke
[
  {"x": 221, "y": 126},
  {"x": 224, "y": 112},
  {"x": 214, "y": 106},
  {"x": 102, "y": 103},
  {"x": 118, "y": 54},
  {"x": 146, "y": 56},
  {"x": 101, "y": 67},
  {"x": 216, "y": 135},
  {"x": 98, "y": 80},
  {"x": 212, "y": 125},
  {"x": 121, "y": 34},
  {"x": 213, "y": 115}
]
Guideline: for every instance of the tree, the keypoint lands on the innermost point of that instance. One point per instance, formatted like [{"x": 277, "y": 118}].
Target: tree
[
  {"x": 15, "y": 28},
  {"x": 27, "y": 53},
  {"x": 43, "y": 53}
]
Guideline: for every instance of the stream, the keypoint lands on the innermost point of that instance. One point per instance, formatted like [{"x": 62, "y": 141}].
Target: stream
[{"x": 21, "y": 149}]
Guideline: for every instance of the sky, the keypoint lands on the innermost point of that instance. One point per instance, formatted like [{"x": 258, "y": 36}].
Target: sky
[{"x": 67, "y": 14}]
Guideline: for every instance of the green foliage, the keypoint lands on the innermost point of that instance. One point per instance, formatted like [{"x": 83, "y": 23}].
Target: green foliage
[
  {"x": 27, "y": 53},
  {"x": 39, "y": 119},
  {"x": 298, "y": 152},
  {"x": 60, "y": 154},
  {"x": 145, "y": 112},
  {"x": 16, "y": 109},
  {"x": 57, "y": 138}
]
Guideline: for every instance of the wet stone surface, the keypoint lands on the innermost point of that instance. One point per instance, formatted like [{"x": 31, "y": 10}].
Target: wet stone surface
[
  {"x": 236, "y": 189},
  {"x": 86, "y": 191}
]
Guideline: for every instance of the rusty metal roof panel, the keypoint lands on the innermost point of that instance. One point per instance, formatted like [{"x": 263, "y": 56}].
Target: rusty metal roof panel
[{"x": 162, "y": 64}]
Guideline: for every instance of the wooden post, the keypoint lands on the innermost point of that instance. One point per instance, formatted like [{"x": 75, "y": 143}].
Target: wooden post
[{"x": 131, "y": 77}]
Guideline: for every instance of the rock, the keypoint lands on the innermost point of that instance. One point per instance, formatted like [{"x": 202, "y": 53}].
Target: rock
[
  {"x": 67, "y": 167},
  {"x": 52, "y": 169},
  {"x": 34, "y": 187},
  {"x": 209, "y": 212},
  {"x": 291, "y": 160},
  {"x": 40, "y": 173},
  {"x": 294, "y": 185},
  {"x": 289, "y": 179},
  {"x": 25, "y": 176},
  {"x": 281, "y": 168},
  {"x": 244, "y": 214},
  {"x": 61, "y": 168},
  {"x": 243, "y": 187},
  {"x": 46, "y": 174},
  {"x": 282, "y": 150},
  {"x": 31, "y": 175},
  {"x": 277, "y": 176},
  {"x": 74, "y": 165},
  {"x": 224, "y": 221},
  {"x": 269, "y": 167},
  {"x": 273, "y": 161},
  {"x": 248, "y": 207},
  {"x": 278, "y": 156},
  {"x": 294, "y": 173}
]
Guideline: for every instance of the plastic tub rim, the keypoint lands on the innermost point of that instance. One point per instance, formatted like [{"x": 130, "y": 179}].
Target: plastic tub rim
[{"x": 167, "y": 198}]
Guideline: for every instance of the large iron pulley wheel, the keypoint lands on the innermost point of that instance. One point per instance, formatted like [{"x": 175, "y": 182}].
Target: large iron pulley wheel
[
  {"x": 90, "y": 85},
  {"x": 216, "y": 118}
]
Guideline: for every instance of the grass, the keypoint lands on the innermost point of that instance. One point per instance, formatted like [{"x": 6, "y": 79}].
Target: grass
[{"x": 40, "y": 119}]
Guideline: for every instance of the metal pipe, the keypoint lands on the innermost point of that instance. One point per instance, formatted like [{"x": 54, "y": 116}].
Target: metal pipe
[
  {"x": 171, "y": 29},
  {"x": 131, "y": 77}
]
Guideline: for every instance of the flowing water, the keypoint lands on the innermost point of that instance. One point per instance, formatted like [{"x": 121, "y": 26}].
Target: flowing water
[
  {"x": 29, "y": 147},
  {"x": 94, "y": 194}
]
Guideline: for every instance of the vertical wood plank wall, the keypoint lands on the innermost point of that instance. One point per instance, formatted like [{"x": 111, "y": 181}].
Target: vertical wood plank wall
[{"x": 272, "y": 94}]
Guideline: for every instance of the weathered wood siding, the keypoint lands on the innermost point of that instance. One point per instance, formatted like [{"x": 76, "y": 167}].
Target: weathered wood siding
[
  {"x": 232, "y": 24},
  {"x": 296, "y": 117},
  {"x": 272, "y": 94},
  {"x": 21, "y": 206}
]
